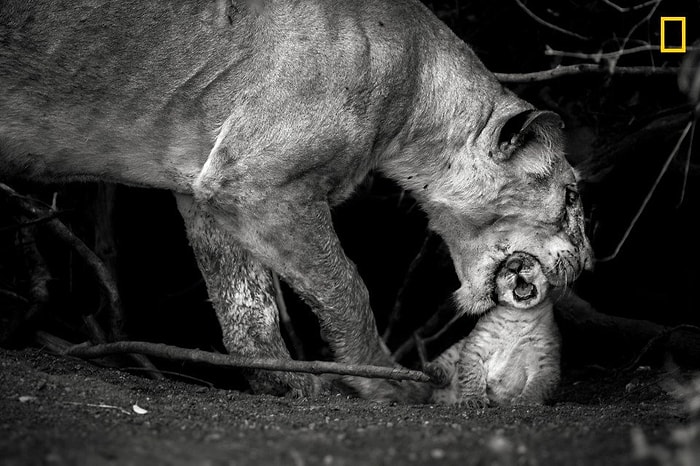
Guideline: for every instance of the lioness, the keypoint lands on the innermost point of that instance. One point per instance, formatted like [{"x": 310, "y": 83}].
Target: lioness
[
  {"x": 513, "y": 353},
  {"x": 263, "y": 114}
]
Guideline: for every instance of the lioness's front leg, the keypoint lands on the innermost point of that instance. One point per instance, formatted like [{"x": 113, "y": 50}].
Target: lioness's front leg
[
  {"x": 297, "y": 240},
  {"x": 241, "y": 292}
]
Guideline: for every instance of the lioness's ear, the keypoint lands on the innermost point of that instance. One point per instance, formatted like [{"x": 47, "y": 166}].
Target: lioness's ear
[{"x": 519, "y": 128}]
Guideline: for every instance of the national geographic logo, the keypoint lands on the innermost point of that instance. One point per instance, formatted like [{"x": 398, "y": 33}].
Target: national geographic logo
[{"x": 673, "y": 34}]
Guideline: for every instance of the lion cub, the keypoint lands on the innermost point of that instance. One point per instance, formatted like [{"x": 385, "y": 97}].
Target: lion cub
[{"x": 512, "y": 355}]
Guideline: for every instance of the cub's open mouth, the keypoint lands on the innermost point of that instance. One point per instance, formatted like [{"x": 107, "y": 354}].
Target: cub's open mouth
[
  {"x": 517, "y": 267},
  {"x": 523, "y": 290}
]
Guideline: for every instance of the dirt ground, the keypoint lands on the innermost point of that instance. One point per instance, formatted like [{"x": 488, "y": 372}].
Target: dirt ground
[{"x": 56, "y": 410}]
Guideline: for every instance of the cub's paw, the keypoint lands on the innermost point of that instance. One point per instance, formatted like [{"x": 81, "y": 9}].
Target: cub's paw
[
  {"x": 288, "y": 384},
  {"x": 474, "y": 402},
  {"x": 439, "y": 377}
]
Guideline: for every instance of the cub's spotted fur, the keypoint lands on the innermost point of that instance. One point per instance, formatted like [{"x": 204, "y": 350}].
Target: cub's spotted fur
[{"x": 512, "y": 355}]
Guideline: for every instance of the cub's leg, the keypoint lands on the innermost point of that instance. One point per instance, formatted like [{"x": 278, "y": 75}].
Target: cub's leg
[
  {"x": 443, "y": 372},
  {"x": 543, "y": 381},
  {"x": 242, "y": 294},
  {"x": 471, "y": 380}
]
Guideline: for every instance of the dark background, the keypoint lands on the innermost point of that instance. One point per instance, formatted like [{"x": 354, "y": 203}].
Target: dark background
[{"x": 610, "y": 121}]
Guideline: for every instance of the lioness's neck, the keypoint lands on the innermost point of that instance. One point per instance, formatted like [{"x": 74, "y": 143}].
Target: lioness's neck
[{"x": 457, "y": 112}]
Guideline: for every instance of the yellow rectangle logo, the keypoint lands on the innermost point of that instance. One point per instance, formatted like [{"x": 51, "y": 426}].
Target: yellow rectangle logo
[{"x": 664, "y": 20}]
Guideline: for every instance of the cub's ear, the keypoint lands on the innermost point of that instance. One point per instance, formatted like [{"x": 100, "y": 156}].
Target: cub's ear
[{"x": 519, "y": 129}]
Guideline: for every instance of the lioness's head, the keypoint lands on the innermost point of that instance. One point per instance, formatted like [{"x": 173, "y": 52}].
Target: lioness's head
[{"x": 508, "y": 188}]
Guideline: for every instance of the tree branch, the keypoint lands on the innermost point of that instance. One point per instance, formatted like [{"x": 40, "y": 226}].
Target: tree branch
[
  {"x": 547, "y": 24},
  {"x": 35, "y": 209},
  {"x": 584, "y": 68},
  {"x": 628, "y": 9}
]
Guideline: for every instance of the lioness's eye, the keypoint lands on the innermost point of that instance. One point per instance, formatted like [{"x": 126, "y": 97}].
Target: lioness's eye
[{"x": 571, "y": 196}]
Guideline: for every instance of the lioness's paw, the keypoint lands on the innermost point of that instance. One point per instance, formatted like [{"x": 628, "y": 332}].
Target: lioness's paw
[
  {"x": 286, "y": 384},
  {"x": 528, "y": 401},
  {"x": 390, "y": 390},
  {"x": 310, "y": 386}
]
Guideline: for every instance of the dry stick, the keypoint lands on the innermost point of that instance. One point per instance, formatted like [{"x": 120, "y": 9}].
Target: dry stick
[
  {"x": 198, "y": 356},
  {"x": 51, "y": 342},
  {"x": 94, "y": 330},
  {"x": 598, "y": 56},
  {"x": 60, "y": 346},
  {"x": 294, "y": 339},
  {"x": 90, "y": 259},
  {"x": 398, "y": 304},
  {"x": 642, "y": 21},
  {"x": 420, "y": 342},
  {"x": 29, "y": 223},
  {"x": 39, "y": 275},
  {"x": 13, "y": 295},
  {"x": 549, "y": 25},
  {"x": 597, "y": 167},
  {"x": 584, "y": 68},
  {"x": 179, "y": 375},
  {"x": 105, "y": 249},
  {"x": 106, "y": 283},
  {"x": 686, "y": 169},
  {"x": 39, "y": 278},
  {"x": 631, "y": 8}
]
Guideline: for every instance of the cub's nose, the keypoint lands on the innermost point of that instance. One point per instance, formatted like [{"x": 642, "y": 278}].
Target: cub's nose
[{"x": 514, "y": 264}]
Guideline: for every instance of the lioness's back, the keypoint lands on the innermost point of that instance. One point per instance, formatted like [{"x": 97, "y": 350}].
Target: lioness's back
[{"x": 136, "y": 91}]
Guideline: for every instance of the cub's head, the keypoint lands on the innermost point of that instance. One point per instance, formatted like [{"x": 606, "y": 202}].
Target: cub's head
[
  {"x": 509, "y": 188},
  {"x": 520, "y": 282}
]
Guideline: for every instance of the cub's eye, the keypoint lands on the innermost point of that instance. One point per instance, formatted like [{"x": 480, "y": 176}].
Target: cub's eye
[{"x": 571, "y": 197}]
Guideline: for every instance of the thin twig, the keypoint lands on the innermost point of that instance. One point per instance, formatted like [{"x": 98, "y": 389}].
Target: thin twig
[
  {"x": 631, "y": 8},
  {"x": 649, "y": 195},
  {"x": 98, "y": 405},
  {"x": 294, "y": 339},
  {"x": 37, "y": 286},
  {"x": 94, "y": 330},
  {"x": 584, "y": 68},
  {"x": 420, "y": 341},
  {"x": 393, "y": 319},
  {"x": 51, "y": 342},
  {"x": 598, "y": 56},
  {"x": 198, "y": 356},
  {"x": 37, "y": 209},
  {"x": 686, "y": 169},
  {"x": 642, "y": 21},
  {"x": 89, "y": 258},
  {"x": 29, "y": 223},
  {"x": 547, "y": 24},
  {"x": 13, "y": 295},
  {"x": 179, "y": 375},
  {"x": 660, "y": 125}
]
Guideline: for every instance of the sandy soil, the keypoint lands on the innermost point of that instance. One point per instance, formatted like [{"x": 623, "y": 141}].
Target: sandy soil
[{"x": 57, "y": 410}]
